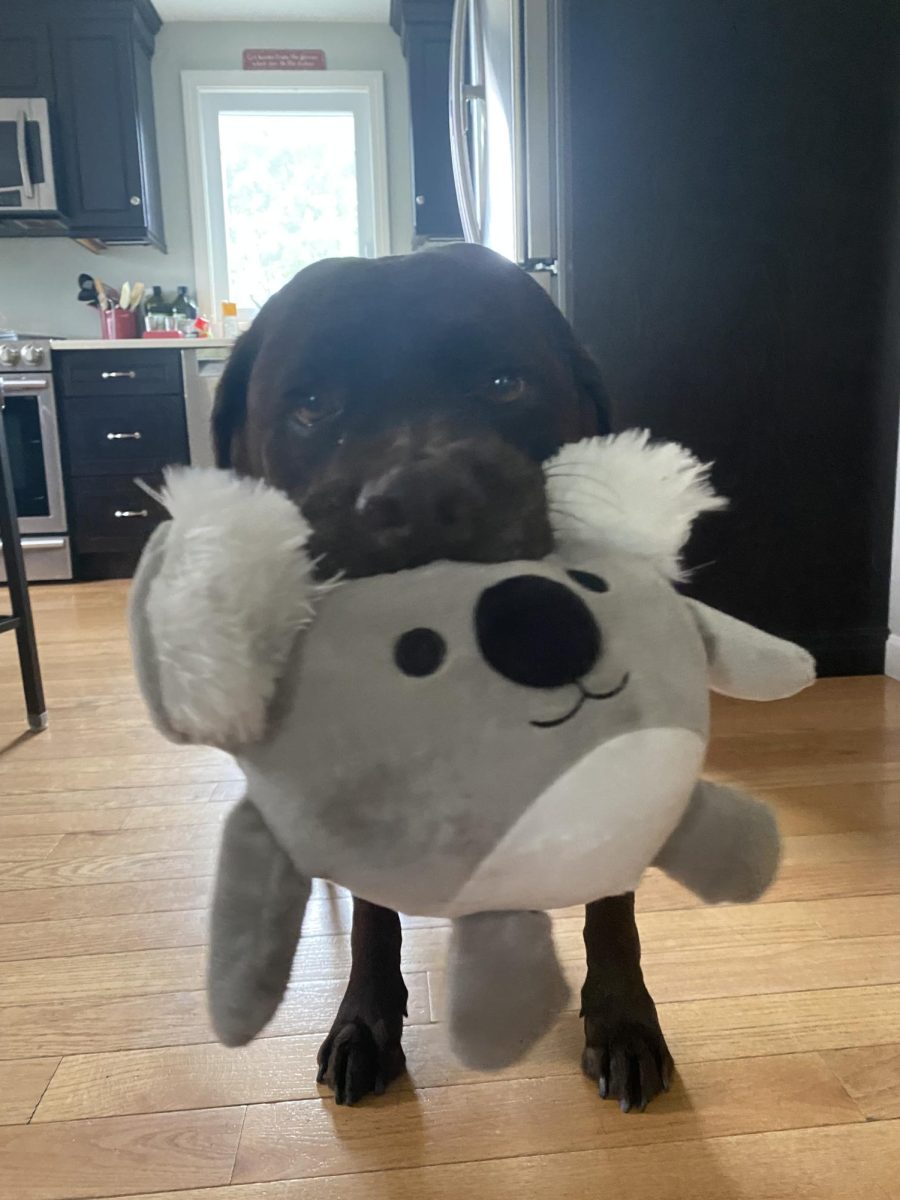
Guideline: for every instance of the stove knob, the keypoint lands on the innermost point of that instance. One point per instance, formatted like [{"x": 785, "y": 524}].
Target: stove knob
[
  {"x": 32, "y": 355},
  {"x": 9, "y": 355}
]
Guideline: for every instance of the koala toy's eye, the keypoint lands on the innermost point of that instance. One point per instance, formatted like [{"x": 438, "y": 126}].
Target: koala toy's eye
[
  {"x": 419, "y": 652},
  {"x": 593, "y": 583}
]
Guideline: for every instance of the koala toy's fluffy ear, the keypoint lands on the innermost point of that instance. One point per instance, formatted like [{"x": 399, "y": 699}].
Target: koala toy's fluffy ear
[
  {"x": 219, "y": 596},
  {"x": 627, "y": 493}
]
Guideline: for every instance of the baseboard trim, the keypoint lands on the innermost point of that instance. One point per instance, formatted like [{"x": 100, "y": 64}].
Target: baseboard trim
[
  {"x": 892, "y": 657},
  {"x": 850, "y": 651}
]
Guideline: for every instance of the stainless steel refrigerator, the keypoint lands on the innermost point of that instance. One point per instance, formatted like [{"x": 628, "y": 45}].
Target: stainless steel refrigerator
[
  {"x": 711, "y": 191},
  {"x": 506, "y": 132}
]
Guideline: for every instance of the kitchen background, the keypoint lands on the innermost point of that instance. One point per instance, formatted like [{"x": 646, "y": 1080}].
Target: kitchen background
[
  {"x": 38, "y": 276},
  {"x": 710, "y": 189}
]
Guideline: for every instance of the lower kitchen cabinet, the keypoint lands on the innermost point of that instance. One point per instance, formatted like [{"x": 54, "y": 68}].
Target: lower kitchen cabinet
[{"x": 116, "y": 431}]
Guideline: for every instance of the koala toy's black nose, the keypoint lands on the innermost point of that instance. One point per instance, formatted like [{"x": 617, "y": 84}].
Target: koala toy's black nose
[{"x": 536, "y": 632}]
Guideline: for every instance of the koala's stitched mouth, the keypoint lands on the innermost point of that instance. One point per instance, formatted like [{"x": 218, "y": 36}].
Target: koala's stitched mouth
[{"x": 585, "y": 695}]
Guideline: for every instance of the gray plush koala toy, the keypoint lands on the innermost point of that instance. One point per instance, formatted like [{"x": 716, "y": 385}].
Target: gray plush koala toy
[{"x": 482, "y": 742}]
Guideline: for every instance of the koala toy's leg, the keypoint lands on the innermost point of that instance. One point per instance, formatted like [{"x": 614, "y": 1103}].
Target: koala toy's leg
[
  {"x": 505, "y": 986},
  {"x": 257, "y": 912},
  {"x": 726, "y": 848}
]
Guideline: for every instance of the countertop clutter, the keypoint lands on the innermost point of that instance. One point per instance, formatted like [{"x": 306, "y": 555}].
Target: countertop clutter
[{"x": 143, "y": 344}]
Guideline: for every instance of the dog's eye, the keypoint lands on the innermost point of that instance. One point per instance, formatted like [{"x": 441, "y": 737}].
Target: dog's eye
[
  {"x": 593, "y": 583},
  {"x": 313, "y": 408},
  {"x": 419, "y": 652},
  {"x": 506, "y": 385}
]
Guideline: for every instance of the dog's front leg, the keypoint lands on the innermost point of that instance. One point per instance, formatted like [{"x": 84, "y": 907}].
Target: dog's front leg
[
  {"x": 625, "y": 1050},
  {"x": 362, "y": 1053}
]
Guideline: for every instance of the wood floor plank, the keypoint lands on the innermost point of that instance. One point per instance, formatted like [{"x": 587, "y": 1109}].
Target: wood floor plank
[
  {"x": 93, "y": 976},
  {"x": 22, "y": 1083},
  {"x": 308, "y": 1138},
  {"x": 170, "y": 816},
  {"x": 871, "y": 1076},
  {"x": 107, "y": 868},
  {"x": 69, "y": 902},
  {"x": 71, "y": 1161},
  {"x": 30, "y": 847},
  {"x": 129, "y": 843},
  {"x": 786, "y": 967},
  {"x": 61, "y": 821},
  {"x": 137, "y": 771},
  {"x": 74, "y": 936},
  {"x": 95, "y": 1025},
  {"x": 848, "y": 1162},
  {"x": 125, "y": 798},
  {"x": 835, "y": 808}
]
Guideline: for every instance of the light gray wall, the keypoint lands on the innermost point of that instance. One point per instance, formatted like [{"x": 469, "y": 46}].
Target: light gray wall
[{"x": 38, "y": 277}]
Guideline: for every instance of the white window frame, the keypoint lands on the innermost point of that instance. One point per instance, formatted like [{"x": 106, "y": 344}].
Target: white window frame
[{"x": 203, "y": 89}]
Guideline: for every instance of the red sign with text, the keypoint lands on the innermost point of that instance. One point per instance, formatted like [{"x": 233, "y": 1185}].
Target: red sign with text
[{"x": 284, "y": 60}]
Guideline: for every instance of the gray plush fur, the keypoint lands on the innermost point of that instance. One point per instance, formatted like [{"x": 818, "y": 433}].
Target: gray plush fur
[
  {"x": 438, "y": 794},
  {"x": 505, "y": 986}
]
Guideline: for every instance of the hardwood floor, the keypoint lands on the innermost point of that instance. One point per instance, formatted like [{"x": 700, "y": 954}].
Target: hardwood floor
[{"x": 784, "y": 1017}]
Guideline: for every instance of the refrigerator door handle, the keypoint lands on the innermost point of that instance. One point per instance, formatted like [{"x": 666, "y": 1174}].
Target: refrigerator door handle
[
  {"x": 460, "y": 95},
  {"x": 540, "y": 168}
]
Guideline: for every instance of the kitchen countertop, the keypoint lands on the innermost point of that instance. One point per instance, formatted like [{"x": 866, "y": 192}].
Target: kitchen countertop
[{"x": 142, "y": 344}]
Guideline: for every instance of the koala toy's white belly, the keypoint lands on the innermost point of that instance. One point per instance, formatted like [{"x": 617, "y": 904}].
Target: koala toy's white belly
[{"x": 594, "y": 831}]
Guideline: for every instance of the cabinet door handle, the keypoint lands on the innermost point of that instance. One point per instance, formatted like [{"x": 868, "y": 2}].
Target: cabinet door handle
[
  {"x": 125, "y": 512},
  {"x": 124, "y": 437},
  {"x": 118, "y": 374}
]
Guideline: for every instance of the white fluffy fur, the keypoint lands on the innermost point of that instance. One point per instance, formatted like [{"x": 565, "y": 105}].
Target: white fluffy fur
[
  {"x": 234, "y": 589},
  {"x": 629, "y": 492}
]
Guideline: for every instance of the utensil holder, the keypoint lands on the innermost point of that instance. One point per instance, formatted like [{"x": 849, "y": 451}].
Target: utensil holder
[{"x": 118, "y": 323}]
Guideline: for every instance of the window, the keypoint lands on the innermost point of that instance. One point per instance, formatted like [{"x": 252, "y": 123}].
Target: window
[{"x": 285, "y": 168}]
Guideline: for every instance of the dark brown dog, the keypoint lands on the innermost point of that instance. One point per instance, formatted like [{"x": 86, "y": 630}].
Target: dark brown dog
[{"x": 406, "y": 405}]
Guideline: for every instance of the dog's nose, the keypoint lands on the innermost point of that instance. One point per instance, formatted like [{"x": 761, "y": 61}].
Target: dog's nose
[
  {"x": 401, "y": 500},
  {"x": 536, "y": 632}
]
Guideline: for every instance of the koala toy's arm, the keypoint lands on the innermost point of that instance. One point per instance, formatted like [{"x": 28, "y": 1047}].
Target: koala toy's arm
[
  {"x": 258, "y": 908},
  {"x": 220, "y": 595},
  {"x": 726, "y": 848},
  {"x": 748, "y": 664}
]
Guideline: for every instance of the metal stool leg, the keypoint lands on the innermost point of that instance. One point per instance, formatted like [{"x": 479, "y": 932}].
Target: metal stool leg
[{"x": 21, "y": 619}]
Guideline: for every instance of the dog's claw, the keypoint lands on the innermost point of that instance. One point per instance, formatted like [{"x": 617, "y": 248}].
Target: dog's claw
[
  {"x": 358, "y": 1058},
  {"x": 626, "y": 1054}
]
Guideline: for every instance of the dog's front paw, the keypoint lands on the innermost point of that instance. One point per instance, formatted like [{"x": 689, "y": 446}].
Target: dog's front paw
[
  {"x": 362, "y": 1053},
  {"x": 625, "y": 1051}
]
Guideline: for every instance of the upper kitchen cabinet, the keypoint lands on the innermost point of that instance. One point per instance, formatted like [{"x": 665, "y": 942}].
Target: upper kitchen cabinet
[
  {"x": 90, "y": 60},
  {"x": 424, "y": 29},
  {"x": 25, "y": 68}
]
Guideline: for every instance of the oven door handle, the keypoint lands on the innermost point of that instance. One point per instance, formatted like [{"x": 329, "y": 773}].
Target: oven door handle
[{"x": 13, "y": 385}]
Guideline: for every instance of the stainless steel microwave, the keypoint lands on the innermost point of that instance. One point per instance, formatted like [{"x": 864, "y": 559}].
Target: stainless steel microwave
[{"x": 27, "y": 184}]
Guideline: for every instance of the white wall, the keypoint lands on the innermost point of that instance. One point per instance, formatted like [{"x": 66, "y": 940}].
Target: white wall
[{"x": 38, "y": 277}]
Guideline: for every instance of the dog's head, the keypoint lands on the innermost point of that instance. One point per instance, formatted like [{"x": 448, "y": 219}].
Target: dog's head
[{"x": 406, "y": 403}]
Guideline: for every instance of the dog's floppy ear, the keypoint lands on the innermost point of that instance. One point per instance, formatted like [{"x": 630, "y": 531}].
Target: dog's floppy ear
[
  {"x": 595, "y": 404},
  {"x": 230, "y": 408}
]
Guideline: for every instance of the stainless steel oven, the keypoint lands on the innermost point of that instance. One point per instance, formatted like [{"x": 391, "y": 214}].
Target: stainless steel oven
[
  {"x": 32, "y": 434},
  {"x": 27, "y": 183}
]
